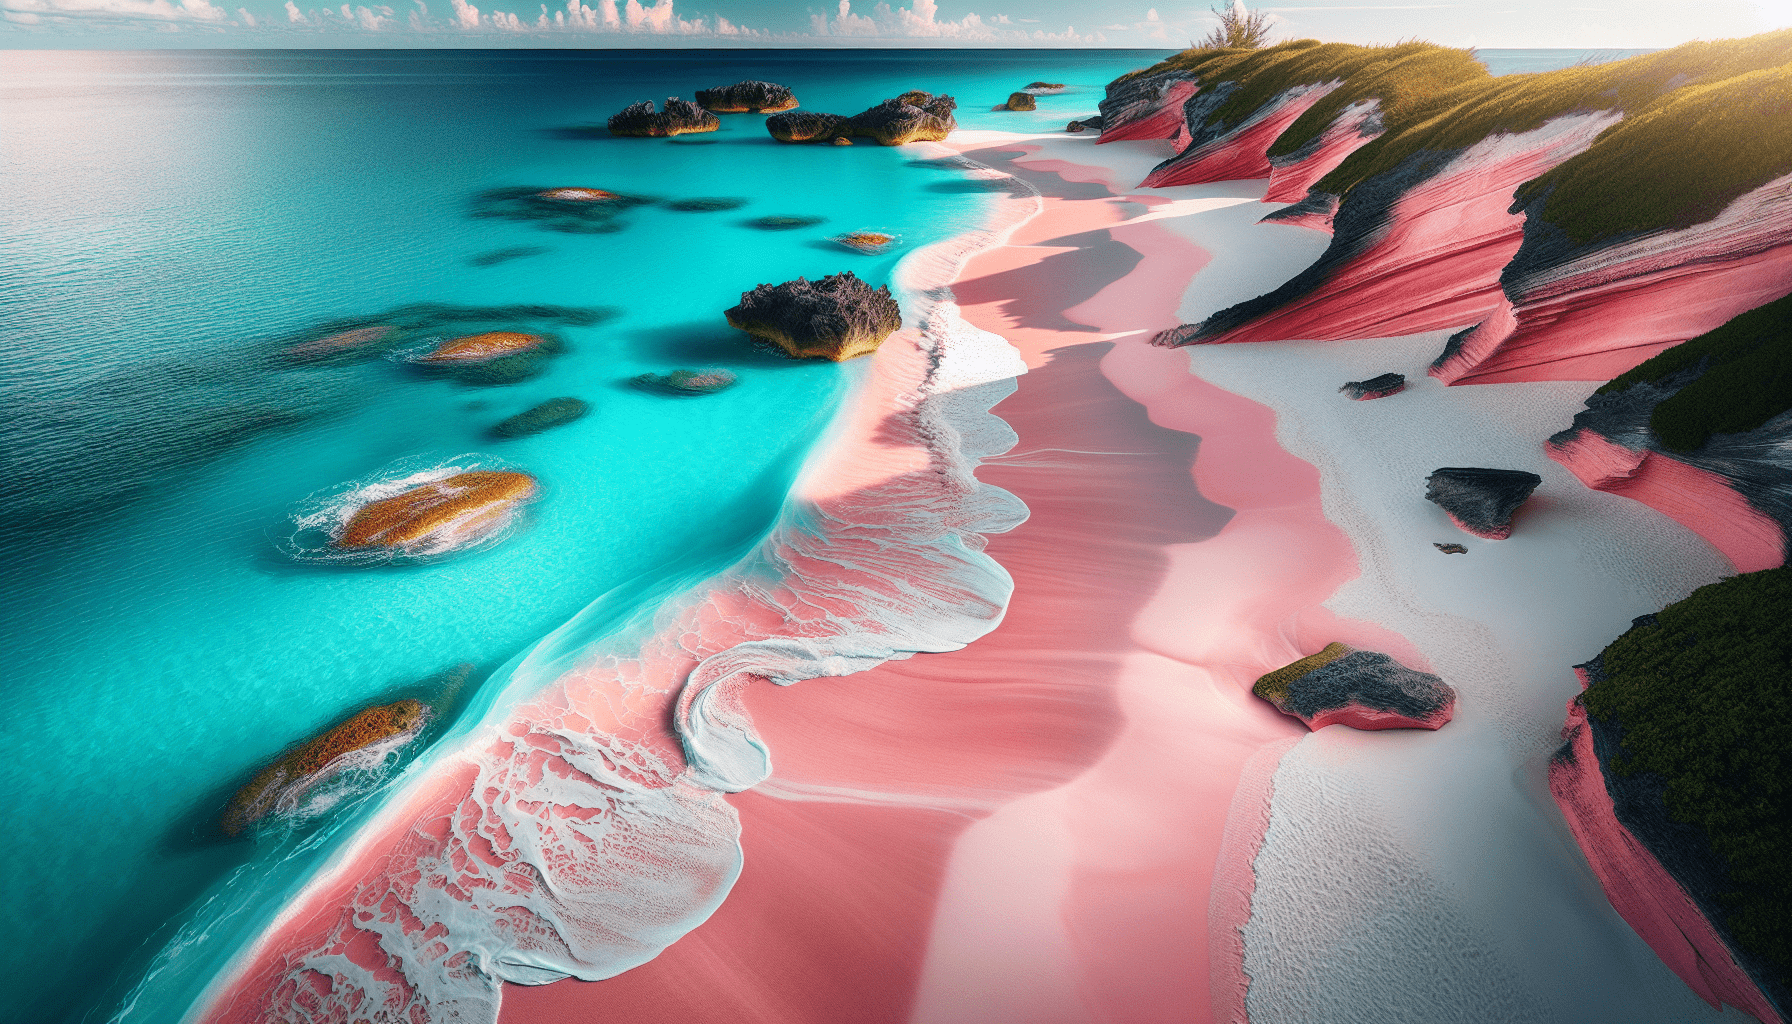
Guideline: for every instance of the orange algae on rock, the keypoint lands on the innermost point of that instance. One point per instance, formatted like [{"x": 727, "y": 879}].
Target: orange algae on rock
[
  {"x": 577, "y": 194},
  {"x": 466, "y": 505},
  {"x": 300, "y": 769},
  {"x": 868, "y": 242},
  {"x": 477, "y": 348}
]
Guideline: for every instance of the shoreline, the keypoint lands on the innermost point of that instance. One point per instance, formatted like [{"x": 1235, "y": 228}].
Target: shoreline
[{"x": 897, "y": 446}]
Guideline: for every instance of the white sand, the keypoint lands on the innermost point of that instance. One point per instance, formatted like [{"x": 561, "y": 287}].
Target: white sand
[{"x": 1411, "y": 876}]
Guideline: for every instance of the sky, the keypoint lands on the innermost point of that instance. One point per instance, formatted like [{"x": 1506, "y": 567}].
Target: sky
[{"x": 606, "y": 24}]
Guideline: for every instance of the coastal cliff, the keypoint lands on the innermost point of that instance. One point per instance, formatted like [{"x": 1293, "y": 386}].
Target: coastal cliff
[
  {"x": 1575, "y": 220},
  {"x": 1699, "y": 433},
  {"x": 1670, "y": 784}
]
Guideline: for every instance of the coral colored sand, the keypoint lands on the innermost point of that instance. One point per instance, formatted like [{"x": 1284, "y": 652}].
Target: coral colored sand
[{"x": 1030, "y": 829}]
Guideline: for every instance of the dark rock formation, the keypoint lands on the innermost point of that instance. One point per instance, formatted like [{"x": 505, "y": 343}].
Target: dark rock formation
[
  {"x": 708, "y": 204},
  {"x": 1141, "y": 96},
  {"x": 749, "y": 97},
  {"x": 1375, "y": 387},
  {"x": 1481, "y": 501},
  {"x": 836, "y": 317},
  {"x": 552, "y": 413},
  {"x": 1361, "y": 689},
  {"x": 804, "y": 126},
  {"x": 686, "y": 382},
  {"x": 679, "y": 117},
  {"x": 371, "y": 733},
  {"x": 784, "y": 223},
  {"x": 1450, "y": 549},
  {"x": 1085, "y": 124},
  {"x": 914, "y": 116},
  {"x": 439, "y": 515},
  {"x": 1042, "y": 88},
  {"x": 1020, "y": 101}
]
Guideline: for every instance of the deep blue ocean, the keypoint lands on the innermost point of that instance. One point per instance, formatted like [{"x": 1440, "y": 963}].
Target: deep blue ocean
[{"x": 173, "y": 221}]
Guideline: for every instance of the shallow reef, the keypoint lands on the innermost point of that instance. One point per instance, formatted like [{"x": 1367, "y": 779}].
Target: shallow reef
[
  {"x": 361, "y": 741},
  {"x": 554, "y": 412},
  {"x": 784, "y": 223},
  {"x": 574, "y": 210},
  {"x": 686, "y": 382}
]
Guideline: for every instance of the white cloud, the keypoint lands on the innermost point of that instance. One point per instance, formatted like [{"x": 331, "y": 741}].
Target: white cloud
[
  {"x": 921, "y": 20},
  {"x": 294, "y": 15},
  {"x": 134, "y": 13},
  {"x": 465, "y": 14}
]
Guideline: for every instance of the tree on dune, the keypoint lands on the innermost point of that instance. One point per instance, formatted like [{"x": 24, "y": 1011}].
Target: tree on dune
[{"x": 1240, "y": 28}]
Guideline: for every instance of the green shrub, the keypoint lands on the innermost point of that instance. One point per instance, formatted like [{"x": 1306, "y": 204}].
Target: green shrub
[
  {"x": 1704, "y": 698},
  {"x": 1747, "y": 379}
]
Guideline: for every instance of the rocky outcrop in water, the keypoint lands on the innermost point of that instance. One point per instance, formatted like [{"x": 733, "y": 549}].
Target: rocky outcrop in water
[
  {"x": 1481, "y": 501},
  {"x": 1362, "y": 689},
  {"x": 686, "y": 382},
  {"x": 804, "y": 126},
  {"x": 836, "y": 317},
  {"x": 679, "y": 118},
  {"x": 749, "y": 97},
  {"x": 1043, "y": 88},
  {"x": 438, "y": 516},
  {"x": 1375, "y": 387},
  {"x": 1020, "y": 101},
  {"x": 362, "y": 741},
  {"x": 554, "y": 412}
]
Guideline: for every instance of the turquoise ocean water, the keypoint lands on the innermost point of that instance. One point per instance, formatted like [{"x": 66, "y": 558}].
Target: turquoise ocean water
[{"x": 172, "y": 219}]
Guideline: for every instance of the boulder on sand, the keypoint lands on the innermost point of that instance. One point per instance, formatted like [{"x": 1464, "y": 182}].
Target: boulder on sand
[
  {"x": 1481, "y": 501},
  {"x": 837, "y": 317},
  {"x": 1375, "y": 387},
  {"x": 1361, "y": 689}
]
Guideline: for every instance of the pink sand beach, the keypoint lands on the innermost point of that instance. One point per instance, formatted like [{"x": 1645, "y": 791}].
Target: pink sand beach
[{"x": 1043, "y": 791}]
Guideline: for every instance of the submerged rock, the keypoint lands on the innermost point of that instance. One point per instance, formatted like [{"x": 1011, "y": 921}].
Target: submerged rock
[
  {"x": 438, "y": 516},
  {"x": 574, "y": 209},
  {"x": 363, "y": 741},
  {"x": 496, "y": 256},
  {"x": 353, "y": 343},
  {"x": 479, "y": 348},
  {"x": 679, "y": 117},
  {"x": 749, "y": 97},
  {"x": 707, "y": 204},
  {"x": 868, "y": 242},
  {"x": 686, "y": 382},
  {"x": 552, "y": 413},
  {"x": 1375, "y": 387},
  {"x": 1361, "y": 689},
  {"x": 784, "y": 223},
  {"x": 1020, "y": 101},
  {"x": 804, "y": 126},
  {"x": 1481, "y": 501},
  {"x": 837, "y": 317}
]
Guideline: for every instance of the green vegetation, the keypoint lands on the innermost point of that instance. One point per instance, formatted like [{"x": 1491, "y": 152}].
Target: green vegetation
[
  {"x": 1747, "y": 381},
  {"x": 1704, "y": 122},
  {"x": 1703, "y": 701},
  {"x": 1239, "y": 28},
  {"x": 1274, "y": 686}
]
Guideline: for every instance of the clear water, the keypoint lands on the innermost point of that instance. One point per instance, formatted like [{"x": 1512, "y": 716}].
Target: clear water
[{"x": 171, "y": 217}]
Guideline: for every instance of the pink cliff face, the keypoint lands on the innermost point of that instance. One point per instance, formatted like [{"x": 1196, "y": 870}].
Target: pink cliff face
[
  {"x": 1160, "y": 120},
  {"x": 1357, "y": 716},
  {"x": 1291, "y": 176},
  {"x": 1241, "y": 152},
  {"x": 1610, "y": 309},
  {"x": 1499, "y": 534},
  {"x": 1319, "y": 219},
  {"x": 1436, "y": 263},
  {"x": 1640, "y": 889},
  {"x": 1699, "y": 500}
]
